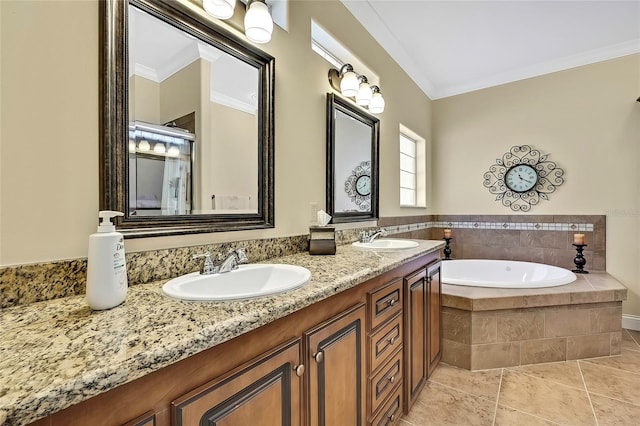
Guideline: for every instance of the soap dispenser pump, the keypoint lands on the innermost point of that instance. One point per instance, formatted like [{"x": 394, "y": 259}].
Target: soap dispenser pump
[{"x": 106, "y": 266}]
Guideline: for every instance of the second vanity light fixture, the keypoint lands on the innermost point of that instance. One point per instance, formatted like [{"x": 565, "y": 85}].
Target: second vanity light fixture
[
  {"x": 351, "y": 85},
  {"x": 258, "y": 23}
]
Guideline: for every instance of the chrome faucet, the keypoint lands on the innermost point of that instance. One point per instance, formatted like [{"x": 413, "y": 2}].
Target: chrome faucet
[
  {"x": 222, "y": 263},
  {"x": 233, "y": 259},
  {"x": 368, "y": 237}
]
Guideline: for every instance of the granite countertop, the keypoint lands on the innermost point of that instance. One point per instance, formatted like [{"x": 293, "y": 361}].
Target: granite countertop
[{"x": 58, "y": 353}]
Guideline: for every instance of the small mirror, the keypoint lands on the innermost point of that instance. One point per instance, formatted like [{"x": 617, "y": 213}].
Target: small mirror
[
  {"x": 191, "y": 147},
  {"x": 352, "y": 162}
]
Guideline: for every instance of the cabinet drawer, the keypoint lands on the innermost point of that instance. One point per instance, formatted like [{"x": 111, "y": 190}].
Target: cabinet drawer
[
  {"x": 384, "y": 342},
  {"x": 385, "y": 381},
  {"x": 391, "y": 411},
  {"x": 384, "y": 303}
]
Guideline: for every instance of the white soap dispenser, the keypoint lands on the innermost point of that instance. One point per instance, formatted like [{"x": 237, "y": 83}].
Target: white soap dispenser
[{"x": 106, "y": 266}]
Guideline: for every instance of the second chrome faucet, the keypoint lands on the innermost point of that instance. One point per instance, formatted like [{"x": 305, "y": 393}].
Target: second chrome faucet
[{"x": 222, "y": 263}]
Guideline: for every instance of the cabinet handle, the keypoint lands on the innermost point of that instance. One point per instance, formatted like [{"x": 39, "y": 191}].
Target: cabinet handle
[
  {"x": 391, "y": 340},
  {"x": 392, "y": 417},
  {"x": 392, "y": 379},
  {"x": 299, "y": 370},
  {"x": 391, "y": 302},
  {"x": 319, "y": 357}
]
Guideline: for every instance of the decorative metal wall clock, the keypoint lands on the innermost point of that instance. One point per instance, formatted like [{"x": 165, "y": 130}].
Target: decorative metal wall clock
[
  {"x": 358, "y": 186},
  {"x": 523, "y": 177}
]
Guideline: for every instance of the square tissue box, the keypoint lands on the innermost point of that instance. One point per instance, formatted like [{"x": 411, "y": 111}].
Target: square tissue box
[{"x": 322, "y": 240}]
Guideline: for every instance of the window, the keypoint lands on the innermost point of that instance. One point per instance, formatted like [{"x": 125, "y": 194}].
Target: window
[{"x": 412, "y": 169}]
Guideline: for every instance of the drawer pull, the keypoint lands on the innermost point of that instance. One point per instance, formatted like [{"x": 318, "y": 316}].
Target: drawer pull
[
  {"x": 392, "y": 379},
  {"x": 319, "y": 357},
  {"x": 391, "y": 340},
  {"x": 299, "y": 370},
  {"x": 392, "y": 417},
  {"x": 391, "y": 302}
]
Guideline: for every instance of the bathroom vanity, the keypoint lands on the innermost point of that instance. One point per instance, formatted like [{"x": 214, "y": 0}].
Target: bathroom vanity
[{"x": 353, "y": 346}]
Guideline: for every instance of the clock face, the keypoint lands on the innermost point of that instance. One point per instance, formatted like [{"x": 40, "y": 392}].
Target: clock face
[
  {"x": 363, "y": 185},
  {"x": 521, "y": 178}
]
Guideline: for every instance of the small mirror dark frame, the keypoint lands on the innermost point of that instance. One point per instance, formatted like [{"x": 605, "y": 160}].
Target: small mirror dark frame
[
  {"x": 337, "y": 103},
  {"x": 114, "y": 117}
]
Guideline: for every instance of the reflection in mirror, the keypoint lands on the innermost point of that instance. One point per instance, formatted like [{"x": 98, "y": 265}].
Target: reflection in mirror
[
  {"x": 199, "y": 119},
  {"x": 176, "y": 78},
  {"x": 352, "y": 151}
]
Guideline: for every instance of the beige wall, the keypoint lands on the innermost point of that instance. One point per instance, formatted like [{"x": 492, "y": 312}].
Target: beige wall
[
  {"x": 146, "y": 100},
  {"x": 49, "y": 126},
  {"x": 586, "y": 119}
]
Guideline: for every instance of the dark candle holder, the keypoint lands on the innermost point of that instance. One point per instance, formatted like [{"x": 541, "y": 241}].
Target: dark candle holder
[
  {"x": 579, "y": 260},
  {"x": 447, "y": 249}
]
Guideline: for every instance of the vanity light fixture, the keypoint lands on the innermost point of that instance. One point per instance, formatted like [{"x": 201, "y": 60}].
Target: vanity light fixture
[
  {"x": 258, "y": 23},
  {"x": 351, "y": 85},
  {"x": 221, "y": 9},
  {"x": 377, "y": 101},
  {"x": 364, "y": 95}
]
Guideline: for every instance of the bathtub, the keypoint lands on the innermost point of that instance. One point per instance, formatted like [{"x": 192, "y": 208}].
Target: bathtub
[{"x": 503, "y": 274}]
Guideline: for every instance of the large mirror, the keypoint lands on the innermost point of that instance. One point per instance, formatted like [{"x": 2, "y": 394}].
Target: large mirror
[
  {"x": 352, "y": 161},
  {"x": 187, "y": 122}
]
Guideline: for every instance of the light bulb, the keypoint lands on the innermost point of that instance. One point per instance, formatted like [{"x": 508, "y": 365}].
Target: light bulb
[
  {"x": 159, "y": 148},
  {"x": 377, "y": 101},
  {"x": 365, "y": 94},
  {"x": 258, "y": 24},
  {"x": 221, "y": 9},
  {"x": 132, "y": 146},
  {"x": 349, "y": 84},
  {"x": 174, "y": 151},
  {"x": 144, "y": 145}
]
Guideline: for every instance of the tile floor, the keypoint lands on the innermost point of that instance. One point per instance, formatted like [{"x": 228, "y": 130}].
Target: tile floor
[{"x": 597, "y": 391}]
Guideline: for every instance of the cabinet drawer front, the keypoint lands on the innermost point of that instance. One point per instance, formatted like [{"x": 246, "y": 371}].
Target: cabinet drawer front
[
  {"x": 391, "y": 411},
  {"x": 267, "y": 388},
  {"x": 384, "y": 342},
  {"x": 387, "y": 379},
  {"x": 384, "y": 303}
]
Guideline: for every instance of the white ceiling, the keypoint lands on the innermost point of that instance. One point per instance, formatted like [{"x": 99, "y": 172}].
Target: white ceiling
[{"x": 453, "y": 47}]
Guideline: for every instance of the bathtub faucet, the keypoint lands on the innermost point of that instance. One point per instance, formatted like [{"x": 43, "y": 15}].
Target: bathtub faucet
[{"x": 368, "y": 237}]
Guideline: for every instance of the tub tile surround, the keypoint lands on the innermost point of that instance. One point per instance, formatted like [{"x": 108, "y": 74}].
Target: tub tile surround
[
  {"x": 493, "y": 328},
  {"x": 533, "y": 238},
  {"x": 57, "y": 353}
]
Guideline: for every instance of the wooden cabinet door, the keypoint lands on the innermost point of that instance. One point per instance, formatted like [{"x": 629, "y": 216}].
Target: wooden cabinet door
[
  {"x": 337, "y": 376},
  {"x": 265, "y": 391},
  {"x": 415, "y": 336},
  {"x": 435, "y": 315}
]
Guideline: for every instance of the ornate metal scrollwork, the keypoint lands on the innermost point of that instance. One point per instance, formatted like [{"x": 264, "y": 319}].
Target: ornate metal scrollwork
[
  {"x": 549, "y": 177},
  {"x": 362, "y": 201}
]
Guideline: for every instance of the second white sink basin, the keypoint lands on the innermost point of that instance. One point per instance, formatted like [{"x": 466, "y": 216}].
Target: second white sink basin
[
  {"x": 387, "y": 244},
  {"x": 243, "y": 283}
]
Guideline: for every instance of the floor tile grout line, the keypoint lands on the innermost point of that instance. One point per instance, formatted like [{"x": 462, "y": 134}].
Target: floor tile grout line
[
  {"x": 454, "y": 388},
  {"x": 495, "y": 410},
  {"x": 584, "y": 382},
  {"x": 545, "y": 379},
  {"x": 533, "y": 415},
  {"x": 615, "y": 399},
  {"x": 587, "y": 360},
  {"x": 624, "y": 330}
]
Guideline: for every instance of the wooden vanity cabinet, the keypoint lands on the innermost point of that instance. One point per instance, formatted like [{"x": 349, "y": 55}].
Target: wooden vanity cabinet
[{"x": 340, "y": 361}]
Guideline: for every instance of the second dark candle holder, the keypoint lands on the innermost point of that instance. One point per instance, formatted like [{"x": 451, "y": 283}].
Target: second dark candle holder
[
  {"x": 579, "y": 260},
  {"x": 447, "y": 249}
]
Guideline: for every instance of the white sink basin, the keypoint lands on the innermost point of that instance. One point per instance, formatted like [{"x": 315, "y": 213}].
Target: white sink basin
[
  {"x": 243, "y": 283},
  {"x": 387, "y": 244}
]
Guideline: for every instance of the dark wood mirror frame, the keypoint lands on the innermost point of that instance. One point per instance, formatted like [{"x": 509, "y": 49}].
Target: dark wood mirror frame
[
  {"x": 337, "y": 103},
  {"x": 114, "y": 117}
]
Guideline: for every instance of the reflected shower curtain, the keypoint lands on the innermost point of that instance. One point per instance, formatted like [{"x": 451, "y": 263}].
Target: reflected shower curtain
[{"x": 174, "y": 187}]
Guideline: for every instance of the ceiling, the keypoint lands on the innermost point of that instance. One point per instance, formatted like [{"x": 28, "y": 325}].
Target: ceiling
[{"x": 454, "y": 47}]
